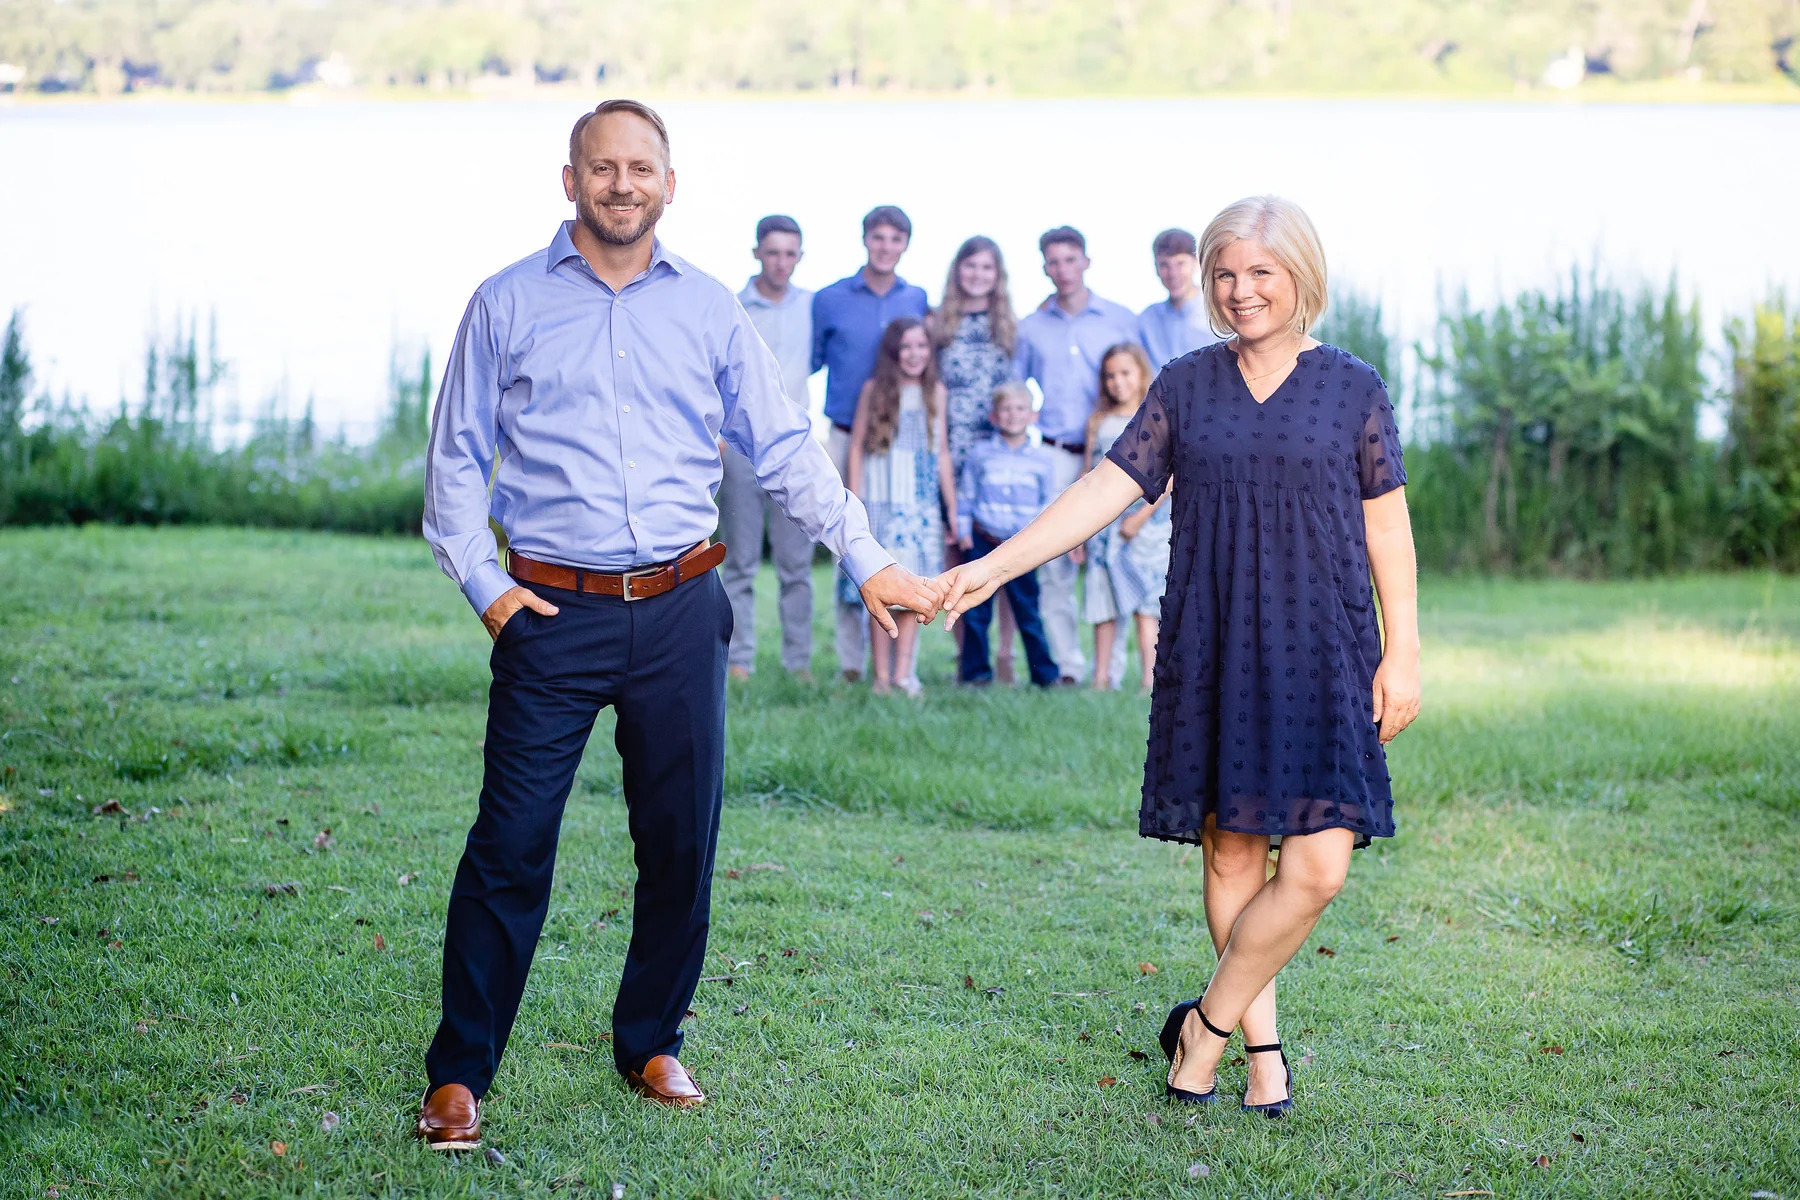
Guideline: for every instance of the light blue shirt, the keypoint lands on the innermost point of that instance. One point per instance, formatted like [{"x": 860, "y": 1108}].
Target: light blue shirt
[
  {"x": 1063, "y": 354},
  {"x": 605, "y": 412},
  {"x": 1168, "y": 332},
  {"x": 1003, "y": 487},
  {"x": 786, "y": 329},
  {"x": 848, "y": 321}
]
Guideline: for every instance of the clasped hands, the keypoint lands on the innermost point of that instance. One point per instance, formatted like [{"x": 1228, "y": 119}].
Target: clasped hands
[{"x": 953, "y": 593}]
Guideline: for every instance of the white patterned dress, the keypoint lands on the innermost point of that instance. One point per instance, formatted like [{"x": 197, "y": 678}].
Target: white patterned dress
[
  {"x": 1125, "y": 575},
  {"x": 900, "y": 490}
]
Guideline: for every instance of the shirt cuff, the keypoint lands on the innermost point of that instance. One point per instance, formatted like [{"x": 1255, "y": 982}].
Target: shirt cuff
[
  {"x": 486, "y": 584},
  {"x": 864, "y": 558}
]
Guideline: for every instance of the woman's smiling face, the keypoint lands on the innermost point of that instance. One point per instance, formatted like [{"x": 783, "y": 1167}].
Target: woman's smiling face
[{"x": 1256, "y": 293}]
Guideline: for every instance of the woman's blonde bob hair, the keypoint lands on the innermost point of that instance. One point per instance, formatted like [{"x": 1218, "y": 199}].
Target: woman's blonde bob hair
[{"x": 1283, "y": 227}]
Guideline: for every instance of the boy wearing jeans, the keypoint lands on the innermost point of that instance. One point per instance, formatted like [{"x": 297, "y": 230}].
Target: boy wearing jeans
[{"x": 1006, "y": 481}]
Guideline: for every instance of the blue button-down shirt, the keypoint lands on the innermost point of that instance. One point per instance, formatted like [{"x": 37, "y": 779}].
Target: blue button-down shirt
[
  {"x": 1003, "y": 487},
  {"x": 848, "y": 320},
  {"x": 1063, "y": 354},
  {"x": 605, "y": 412},
  {"x": 1168, "y": 332}
]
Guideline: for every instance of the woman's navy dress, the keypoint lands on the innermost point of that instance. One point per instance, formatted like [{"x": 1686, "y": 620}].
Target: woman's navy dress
[{"x": 1260, "y": 713}]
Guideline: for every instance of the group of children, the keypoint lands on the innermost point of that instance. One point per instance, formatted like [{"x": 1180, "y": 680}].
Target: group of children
[{"x": 900, "y": 467}]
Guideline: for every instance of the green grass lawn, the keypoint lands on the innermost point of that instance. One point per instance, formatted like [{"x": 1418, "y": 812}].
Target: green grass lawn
[{"x": 1575, "y": 972}]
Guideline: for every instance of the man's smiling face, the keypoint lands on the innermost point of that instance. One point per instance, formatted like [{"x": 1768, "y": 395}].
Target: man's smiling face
[{"x": 622, "y": 179}]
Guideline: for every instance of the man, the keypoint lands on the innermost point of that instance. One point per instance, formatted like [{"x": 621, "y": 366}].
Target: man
[
  {"x": 848, "y": 319},
  {"x": 1060, "y": 347},
  {"x": 1171, "y": 328},
  {"x": 782, "y": 314},
  {"x": 591, "y": 380}
]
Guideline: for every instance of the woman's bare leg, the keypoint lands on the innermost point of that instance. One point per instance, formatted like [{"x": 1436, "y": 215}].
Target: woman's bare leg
[
  {"x": 881, "y": 657},
  {"x": 1004, "y": 639},
  {"x": 1103, "y": 645},
  {"x": 906, "y": 650},
  {"x": 1268, "y": 932},
  {"x": 1237, "y": 867}
]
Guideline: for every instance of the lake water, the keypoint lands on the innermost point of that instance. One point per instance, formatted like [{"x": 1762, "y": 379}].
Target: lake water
[{"x": 325, "y": 235}]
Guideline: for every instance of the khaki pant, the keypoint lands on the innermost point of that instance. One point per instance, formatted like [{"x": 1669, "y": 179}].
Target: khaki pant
[
  {"x": 852, "y": 619},
  {"x": 1056, "y": 585}
]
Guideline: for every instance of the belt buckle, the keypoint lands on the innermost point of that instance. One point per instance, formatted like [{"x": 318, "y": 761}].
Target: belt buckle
[{"x": 625, "y": 580}]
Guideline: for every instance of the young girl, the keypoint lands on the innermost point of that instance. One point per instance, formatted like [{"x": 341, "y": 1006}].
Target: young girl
[
  {"x": 1128, "y": 561},
  {"x": 900, "y": 467}
]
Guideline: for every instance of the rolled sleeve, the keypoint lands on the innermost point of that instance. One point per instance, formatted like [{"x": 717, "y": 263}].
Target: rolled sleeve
[
  {"x": 459, "y": 457},
  {"x": 775, "y": 434}
]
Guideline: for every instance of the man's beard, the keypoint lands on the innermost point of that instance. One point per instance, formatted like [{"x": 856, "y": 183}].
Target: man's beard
[{"x": 590, "y": 217}]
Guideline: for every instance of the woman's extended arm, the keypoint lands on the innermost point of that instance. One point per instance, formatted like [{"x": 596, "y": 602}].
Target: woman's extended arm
[
  {"x": 1395, "y": 568},
  {"x": 1085, "y": 508}
]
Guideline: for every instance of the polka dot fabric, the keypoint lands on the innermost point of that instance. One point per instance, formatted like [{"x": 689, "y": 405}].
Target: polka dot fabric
[{"x": 1260, "y": 711}]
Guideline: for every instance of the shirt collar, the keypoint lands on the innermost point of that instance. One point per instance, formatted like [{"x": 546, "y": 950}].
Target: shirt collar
[
  {"x": 750, "y": 296},
  {"x": 858, "y": 282},
  {"x": 1093, "y": 306},
  {"x": 562, "y": 249}
]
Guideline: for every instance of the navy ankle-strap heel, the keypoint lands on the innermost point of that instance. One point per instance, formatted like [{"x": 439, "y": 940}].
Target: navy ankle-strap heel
[
  {"x": 1280, "y": 1107},
  {"x": 1171, "y": 1046}
]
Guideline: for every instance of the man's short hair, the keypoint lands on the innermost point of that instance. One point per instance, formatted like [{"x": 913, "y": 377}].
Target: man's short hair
[
  {"x": 1064, "y": 234},
  {"x": 776, "y": 223},
  {"x": 890, "y": 215},
  {"x": 636, "y": 108},
  {"x": 1171, "y": 242}
]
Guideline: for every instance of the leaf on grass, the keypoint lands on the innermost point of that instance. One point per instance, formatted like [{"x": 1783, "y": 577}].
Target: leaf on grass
[
  {"x": 618, "y": 1191},
  {"x": 734, "y": 873},
  {"x": 328, "y": 1123},
  {"x": 1199, "y": 1171},
  {"x": 380, "y": 942},
  {"x": 926, "y": 918},
  {"x": 566, "y": 1046},
  {"x": 1550, "y": 1049},
  {"x": 898, "y": 859},
  {"x": 969, "y": 982},
  {"x": 765, "y": 867},
  {"x": 1138, "y": 1007},
  {"x": 1576, "y": 1137},
  {"x": 1470, "y": 1192},
  {"x": 788, "y": 952},
  {"x": 109, "y": 808},
  {"x": 1306, "y": 1059},
  {"x": 740, "y": 1010},
  {"x": 311, "y": 1087},
  {"x": 141, "y": 1027},
  {"x": 1085, "y": 1036},
  {"x": 49, "y": 920},
  {"x": 238, "y": 1098},
  {"x": 1542, "y": 1160},
  {"x": 278, "y": 1148},
  {"x": 494, "y": 1156},
  {"x": 1152, "y": 1119},
  {"x": 407, "y": 878},
  {"x": 1145, "y": 968},
  {"x": 1393, "y": 937},
  {"x": 994, "y": 991},
  {"x": 1327, "y": 951},
  {"x": 1138, "y": 1054},
  {"x": 323, "y": 840},
  {"x": 289, "y": 888},
  {"x": 1107, "y": 1081}
]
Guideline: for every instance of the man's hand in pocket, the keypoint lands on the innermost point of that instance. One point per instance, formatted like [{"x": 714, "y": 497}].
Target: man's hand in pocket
[{"x": 510, "y": 602}]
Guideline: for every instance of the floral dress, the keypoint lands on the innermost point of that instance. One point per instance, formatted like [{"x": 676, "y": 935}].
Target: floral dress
[
  {"x": 1125, "y": 576},
  {"x": 901, "y": 492},
  {"x": 1259, "y": 713},
  {"x": 971, "y": 366}
]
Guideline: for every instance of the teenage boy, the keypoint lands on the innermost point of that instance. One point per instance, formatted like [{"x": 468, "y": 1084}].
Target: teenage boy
[
  {"x": 1006, "y": 481},
  {"x": 848, "y": 318},
  {"x": 1170, "y": 328},
  {"x": 1060, "y": 346},
  {"x": 782, "y": 314}
]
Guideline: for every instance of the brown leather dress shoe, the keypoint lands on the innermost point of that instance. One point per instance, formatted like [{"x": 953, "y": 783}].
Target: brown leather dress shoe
[
  {"x": 665, "y": 1081},
  {"x": 450, "y": 1119}
]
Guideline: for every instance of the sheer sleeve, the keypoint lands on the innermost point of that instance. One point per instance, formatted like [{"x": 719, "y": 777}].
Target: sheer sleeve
[
  {"x": 1378, "y": 460},
  {"x": 1146, "y": 449}
]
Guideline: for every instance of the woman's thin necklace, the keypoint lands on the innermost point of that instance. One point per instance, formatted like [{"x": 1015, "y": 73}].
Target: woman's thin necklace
[{"x": 1253, "y": 378}]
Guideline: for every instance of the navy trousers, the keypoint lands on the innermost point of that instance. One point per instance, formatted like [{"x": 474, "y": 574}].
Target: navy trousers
[
  {"x": 1022, "y": 593},
  {"x": 660, "y": 663}
]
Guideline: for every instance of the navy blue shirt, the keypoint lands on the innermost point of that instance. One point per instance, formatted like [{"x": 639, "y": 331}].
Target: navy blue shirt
[{"x": 848, "y": 321}]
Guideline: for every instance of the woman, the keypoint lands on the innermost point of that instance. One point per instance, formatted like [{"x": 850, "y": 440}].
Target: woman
[
  {"x": 1128, "y": 561},
  {"x": 1274, "y": 696},
  {"x": 900, "y": 467},
  {"x": 974, "y": 331}
]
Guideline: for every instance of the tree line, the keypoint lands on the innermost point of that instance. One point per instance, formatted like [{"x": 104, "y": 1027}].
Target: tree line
[
  {"x": 1557, "y": 431},
  {"x": 1022, "y": 46}
]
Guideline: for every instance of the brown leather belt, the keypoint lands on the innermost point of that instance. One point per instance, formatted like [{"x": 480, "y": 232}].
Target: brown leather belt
[{"x": 640, "y": 584}]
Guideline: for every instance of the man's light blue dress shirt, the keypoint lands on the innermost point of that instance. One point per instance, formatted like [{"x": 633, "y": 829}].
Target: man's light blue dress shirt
[
  {"x": 786, "y": 328},
  {"x": 605, "y": 411},
  {"x": 1063, "y": 353},
  {"x": 848, "y": 321},
  {"x": 1168, "y": 332}
]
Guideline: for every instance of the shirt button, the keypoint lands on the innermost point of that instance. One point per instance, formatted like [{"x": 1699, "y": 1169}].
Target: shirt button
[
  {"x": 631, "y": 462},
  {"x": 628, "y": 408},
  {"x": 622, "y": 353}
]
